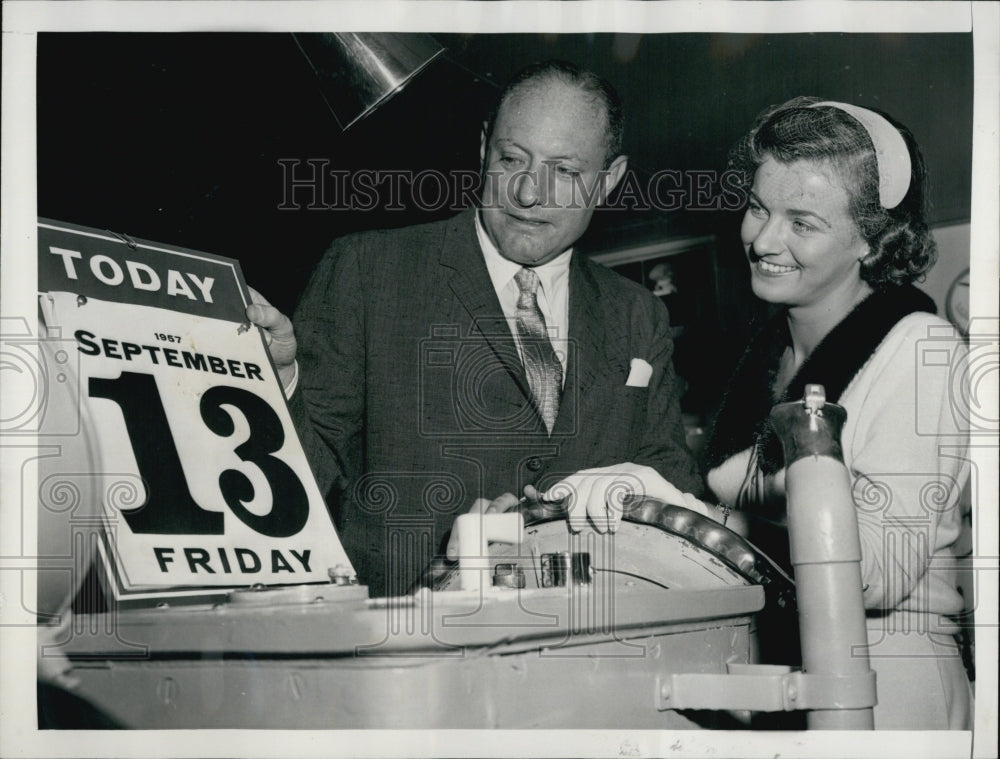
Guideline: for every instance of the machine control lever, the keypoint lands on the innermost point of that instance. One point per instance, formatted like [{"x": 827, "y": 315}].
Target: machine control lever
[{"x": 475, "y": 532}]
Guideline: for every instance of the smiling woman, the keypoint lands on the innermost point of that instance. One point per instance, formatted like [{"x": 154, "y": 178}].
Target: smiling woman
[
  {"x": 805, "y": 251},
  {"x": 834, "y": 234}
]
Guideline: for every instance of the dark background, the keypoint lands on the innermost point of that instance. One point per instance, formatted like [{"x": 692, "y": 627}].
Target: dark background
[{"x": 176, "y": 137}]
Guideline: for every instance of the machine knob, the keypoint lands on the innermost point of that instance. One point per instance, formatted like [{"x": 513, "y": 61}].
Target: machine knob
[{"x": 508, "y": 576}]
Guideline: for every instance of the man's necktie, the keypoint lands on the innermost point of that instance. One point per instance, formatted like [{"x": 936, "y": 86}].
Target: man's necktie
[{"x": 540, "y": 363}]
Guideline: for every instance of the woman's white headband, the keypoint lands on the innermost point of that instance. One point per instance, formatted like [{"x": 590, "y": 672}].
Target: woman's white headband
[{"x": 891, "y": 154}]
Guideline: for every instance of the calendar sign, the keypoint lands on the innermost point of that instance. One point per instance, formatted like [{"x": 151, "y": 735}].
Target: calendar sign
[{"x": 182, "y": 397}]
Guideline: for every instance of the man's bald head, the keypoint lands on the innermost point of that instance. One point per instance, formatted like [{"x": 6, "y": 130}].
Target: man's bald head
[{"x": 589, "y": 83}]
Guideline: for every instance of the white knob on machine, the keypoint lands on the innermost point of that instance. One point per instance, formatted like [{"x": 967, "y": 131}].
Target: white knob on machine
[{"x": 475, "y": 532}]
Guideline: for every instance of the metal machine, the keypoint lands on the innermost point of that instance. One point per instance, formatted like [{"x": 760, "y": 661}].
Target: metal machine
[{"x": 535, "y": 627}]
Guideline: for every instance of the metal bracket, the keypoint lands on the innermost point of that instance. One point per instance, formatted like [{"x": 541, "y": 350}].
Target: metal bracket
[{"x": 764, "y": 688}]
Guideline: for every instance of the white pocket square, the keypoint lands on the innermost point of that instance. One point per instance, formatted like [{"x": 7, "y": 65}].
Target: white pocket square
[{"x": 639, "y": 373}]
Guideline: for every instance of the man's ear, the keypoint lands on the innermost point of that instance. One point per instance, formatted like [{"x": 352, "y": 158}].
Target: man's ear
[
  {"x": 613, "y": 175},
  {"x": 482, "y": 147}
]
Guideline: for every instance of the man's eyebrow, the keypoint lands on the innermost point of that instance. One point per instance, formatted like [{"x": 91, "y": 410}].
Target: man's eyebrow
[{"x": 506, "y": 142}]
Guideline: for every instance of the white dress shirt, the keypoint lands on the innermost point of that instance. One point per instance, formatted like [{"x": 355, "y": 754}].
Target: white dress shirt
[{"x": 553, "y": 292}]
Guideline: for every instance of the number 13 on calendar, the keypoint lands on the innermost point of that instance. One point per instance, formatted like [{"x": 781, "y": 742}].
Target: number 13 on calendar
[{"x": 180, "y": 395}]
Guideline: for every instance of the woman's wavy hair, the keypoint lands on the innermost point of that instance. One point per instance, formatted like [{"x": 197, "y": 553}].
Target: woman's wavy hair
[{"x": 901, "y": 248}]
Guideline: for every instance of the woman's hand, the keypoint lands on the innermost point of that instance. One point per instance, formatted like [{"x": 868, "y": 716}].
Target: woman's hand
[
  {"x": 599, "y": 494},
  {"x": 506, "y": 502}
]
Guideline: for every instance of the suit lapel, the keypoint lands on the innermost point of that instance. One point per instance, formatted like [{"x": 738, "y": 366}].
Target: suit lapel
[
  {"x": 592, "y": 334},
  {"x": 585, "y": 324},
  {"x": 591, "y": 345},
  {"x": 470, "y": 281}
]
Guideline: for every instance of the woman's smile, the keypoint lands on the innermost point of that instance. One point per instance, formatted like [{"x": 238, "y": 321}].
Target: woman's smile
[{"x": 771, "y": 269}]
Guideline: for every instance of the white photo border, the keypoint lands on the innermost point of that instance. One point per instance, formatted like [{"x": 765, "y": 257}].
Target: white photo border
[{"x": 22, "y": 21}]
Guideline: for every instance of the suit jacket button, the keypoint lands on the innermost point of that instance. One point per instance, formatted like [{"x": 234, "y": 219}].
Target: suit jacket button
[{"x": 534, "y": 463}]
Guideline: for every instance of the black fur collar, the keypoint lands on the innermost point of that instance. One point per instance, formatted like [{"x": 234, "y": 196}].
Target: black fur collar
[{"x": 742, "y": 419}]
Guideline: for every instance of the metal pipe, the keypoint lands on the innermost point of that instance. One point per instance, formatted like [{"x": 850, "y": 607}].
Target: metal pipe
[{"x": 825, "y": 549}]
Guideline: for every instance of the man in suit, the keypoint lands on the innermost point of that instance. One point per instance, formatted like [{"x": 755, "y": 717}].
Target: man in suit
[{"x": 466, "y": 358}]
